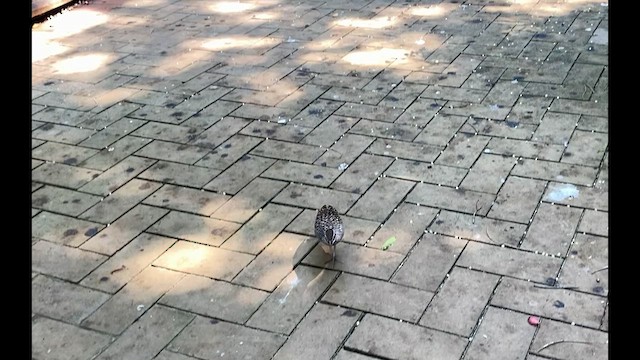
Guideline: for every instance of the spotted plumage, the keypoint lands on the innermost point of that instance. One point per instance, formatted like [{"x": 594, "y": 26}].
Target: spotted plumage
[{"x": 329, "y": 227}]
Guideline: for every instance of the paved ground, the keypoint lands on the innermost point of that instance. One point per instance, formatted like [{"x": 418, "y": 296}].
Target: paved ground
[{"x": 181, "y": 149}]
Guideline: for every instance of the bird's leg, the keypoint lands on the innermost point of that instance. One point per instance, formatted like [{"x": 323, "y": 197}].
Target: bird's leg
[{"x": 333, "y": 255}]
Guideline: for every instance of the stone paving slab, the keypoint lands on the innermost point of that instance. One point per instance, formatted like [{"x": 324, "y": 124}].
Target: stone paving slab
[{"x": 182, "y": 149}]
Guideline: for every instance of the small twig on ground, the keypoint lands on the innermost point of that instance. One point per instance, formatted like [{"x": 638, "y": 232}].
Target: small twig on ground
[
  {"x": 563, "y": 341},
  {"x": 503, "y": 244},
  {"x": 587, "y": 87},
  {"x": 474, "y": 128},
  {"x": 476, "y": 211},
  {"x": 118, "y": 269},
  {"x": 602, "y": 269}
]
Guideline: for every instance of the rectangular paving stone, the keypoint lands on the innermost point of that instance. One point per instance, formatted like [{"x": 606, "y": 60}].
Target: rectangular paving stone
[
  {"x": 429, "y": 262},
  {"x": 60, "y": 200},
  {"x": 509, "y": 128},
  {"x": 454, "y": 93},
  {"x": 229, "y": 151},
  {"x": 203, "y": 260},
  {"x": 385, "y": 130},
  {"x": 317, "y": 111},
  {"x": 319, "y": 334},
  {"x": 329, "y": 131},
  {"x": 465, "y": 226},
  {"x": 595, "y": 348},
  {"x": 405, "y": 150},
  {"x": 239, "y": 174},
  {"x": 275, "y": 130},
  {"x": 63, "y": 153},
  {"x": 406, "y": 224},
  {"x": 179, "y": 174},
  {"x": 509, "y": 262},
  {"x": 62, "y": 229},
  {"x": 264, "y": 113},
  {"x": 210, "y": 339},
  {"x": 504, "y": 93},
  {"x": 583, "y": 309},
  {"x": 303, "y": 96},
  {"x": 552, "y": 229},
  {"x": 383, "y": 112},
  {"x": 517, "y": 199},
  {"x": 420, "y": 112},
  {"x": 593, "y": 123},
  {"x": 57, "y": 340},
  {"x": 61, "y": 133},
  {"x": 110, "y": 115},
  {"x": 356, "y": 259},
  {"x": 470, "y": 291},
  {"x": 122, "y": 309},
  {"x": 488, "y": 173},
  {"x": 163, "y": 150},
  {"x": 230, "y": 302},
  {"x": 258, "y": 232},
  {"x": 121, "y": 201},
  {"x": 596, "y": 198},
  {"x": 595, "y": 222},
  {"x": 440, "y": 130},
  {"x": 554, "y": 171},
  {"x": 354, "y": 95},
  {"x": 553, "y": 91},
  {"x": 106, "y": 136},
  {"x": 276, "y": 261},
  {"x": 166, "y": 132},
  {"x": 152, "y": 333},
  {"x": 288, "y": 151},
  {"x": 62, "y": 261},
  {"x": 115, "y": 153},
  {"x": 580, "y": 107},
  {"x": 195, "y": 228},
  {"x": 383, "y": 196},
  {"x": 361, "y": 173},
  {"x": 378, "y": 297},
  {"x": 481, "y": 110},
  {"x": 527, "y": 149},
  {"x": 118, "y": 175},
  {"x": 466, "y": 201},
  {"x": 463, "y": 150},
  {"x": 530, "y": 109},
  {"x": 314, "y": 197},
  {"x": 345, "y": 151},
  {"x": 302, "y": 173},
  {"x": 243, "y": 205},
  {"x": 120, "y": 268},
  {"x": 186, "y": 199},
  {"x": 61, "y": 116},
  {"x": 123, "y": 230},
  {"x": 426, "y": 172},
  {"x": 556, "y": 128},
  {"x": 499, "y": 333},
  {"x": 160, "y": 112},
  {"x": 589, "y": 253},
  {"x": 292, "y": 299},
  {"x": 384, "y": 337},
  {"x": 64, "y": 301},
  {"x": 586, "y": 148}
]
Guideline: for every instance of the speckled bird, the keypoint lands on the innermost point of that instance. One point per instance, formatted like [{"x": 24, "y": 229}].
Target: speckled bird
[{"x": 329, "y": 227}]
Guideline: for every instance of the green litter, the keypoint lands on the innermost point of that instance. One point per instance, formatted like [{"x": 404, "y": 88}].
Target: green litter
[{"x": 387, "y": 244}]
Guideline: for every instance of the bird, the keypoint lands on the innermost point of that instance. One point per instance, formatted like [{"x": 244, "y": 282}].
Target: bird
[{"x": 329, "y": 227}]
